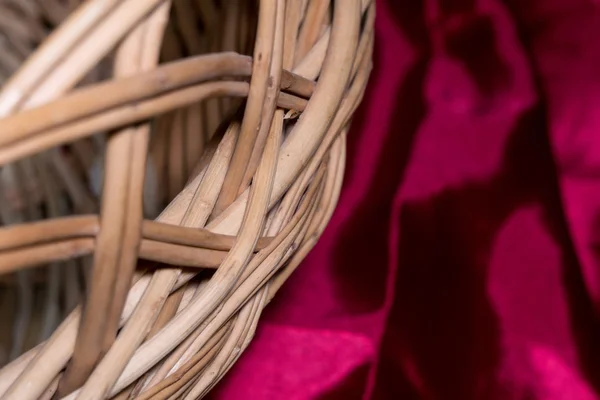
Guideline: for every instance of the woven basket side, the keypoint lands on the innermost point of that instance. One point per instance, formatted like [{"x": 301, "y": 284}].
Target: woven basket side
[{"x": 254, "y": 188}]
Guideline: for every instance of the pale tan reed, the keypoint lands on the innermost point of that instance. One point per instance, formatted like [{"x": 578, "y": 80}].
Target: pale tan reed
[{"x": 225, "y": 121}]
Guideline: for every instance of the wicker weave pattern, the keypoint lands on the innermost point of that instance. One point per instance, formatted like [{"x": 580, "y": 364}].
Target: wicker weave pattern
[{"x": 248, "y": 152}]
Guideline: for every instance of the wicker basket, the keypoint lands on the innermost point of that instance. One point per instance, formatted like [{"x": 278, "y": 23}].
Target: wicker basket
[{"x": 185, "y": 192}]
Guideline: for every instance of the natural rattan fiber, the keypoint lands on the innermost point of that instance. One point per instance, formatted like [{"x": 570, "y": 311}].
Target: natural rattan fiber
[{"x": 223, "y": 120}]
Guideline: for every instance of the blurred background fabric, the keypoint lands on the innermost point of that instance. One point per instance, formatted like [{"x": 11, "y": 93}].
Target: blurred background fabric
[{"x": 463, "y": 259}]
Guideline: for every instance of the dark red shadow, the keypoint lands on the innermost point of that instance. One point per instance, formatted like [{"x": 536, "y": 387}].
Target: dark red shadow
[{"x": 442, "y": 323}]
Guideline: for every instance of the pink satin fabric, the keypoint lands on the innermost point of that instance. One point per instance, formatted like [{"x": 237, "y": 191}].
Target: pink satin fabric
[{"x": 462, "y": 261}]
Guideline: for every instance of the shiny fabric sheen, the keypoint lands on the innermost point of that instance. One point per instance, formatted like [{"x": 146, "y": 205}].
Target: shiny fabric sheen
[{"x": 462, "y": 261}]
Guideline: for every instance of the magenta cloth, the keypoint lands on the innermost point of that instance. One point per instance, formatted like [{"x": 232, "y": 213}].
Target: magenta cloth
[{"x": 462, "y": 261}]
